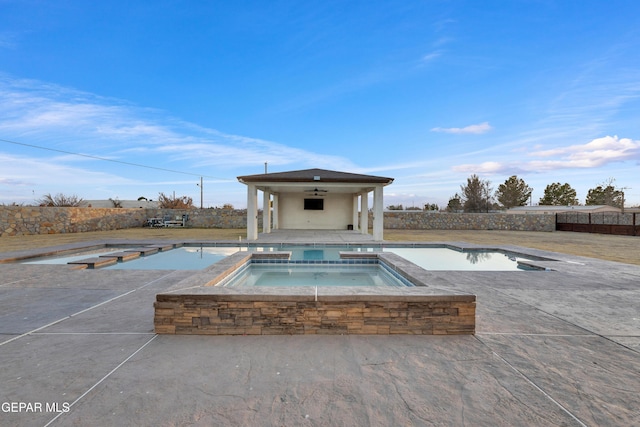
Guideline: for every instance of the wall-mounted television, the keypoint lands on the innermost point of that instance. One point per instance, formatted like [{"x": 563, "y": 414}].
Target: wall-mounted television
[{"x": 313, "y": 204}]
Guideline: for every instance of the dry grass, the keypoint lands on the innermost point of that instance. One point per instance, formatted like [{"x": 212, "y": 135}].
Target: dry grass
[
  {"x": 16, "y": 243},
  {"x": 613, "y": 248}
]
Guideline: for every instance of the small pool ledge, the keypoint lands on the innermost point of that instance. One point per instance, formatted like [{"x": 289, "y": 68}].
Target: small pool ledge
[{"x": 199, "y": 308}]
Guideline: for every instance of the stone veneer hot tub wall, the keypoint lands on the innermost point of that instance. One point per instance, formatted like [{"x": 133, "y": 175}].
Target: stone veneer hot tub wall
[{"x": 199, "y": 308}]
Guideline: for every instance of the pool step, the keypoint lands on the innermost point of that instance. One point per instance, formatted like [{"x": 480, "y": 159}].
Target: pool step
[
  {"x": 271, "y": 255},
  {"x": 95, "y": 262},
  {"x": 122, "y": 256},
  {"x": 162, "y": 248},
  {"x": 356, "y": 255},
  {"x": 144, "y": 251}
]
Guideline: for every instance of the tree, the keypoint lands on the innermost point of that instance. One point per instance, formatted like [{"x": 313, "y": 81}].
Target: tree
[
  {"x": 514, "y": 192},
  {"x": 60, "y": 200},
  {"x": 476, "y": 195},
  {"x": 431, "y": 207},
  {"x": 167, "y": 202},
  {"x": 557, "y": 194},
  {"x": 608, "y": 195},
  {"x": 455, "y": 204}
]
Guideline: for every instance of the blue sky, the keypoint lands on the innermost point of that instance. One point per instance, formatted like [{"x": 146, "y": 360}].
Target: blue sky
[{"x": 426, "y": 92}]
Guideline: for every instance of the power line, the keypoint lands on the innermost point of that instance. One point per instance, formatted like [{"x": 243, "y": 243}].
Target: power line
[{"x": 110, "y": 160}]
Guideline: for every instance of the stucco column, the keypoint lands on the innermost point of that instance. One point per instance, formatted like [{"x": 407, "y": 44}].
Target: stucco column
[
  {"x": 275, "y": 212},
  {"x": 355, "y": 212},
  {"x": 266, "y": 212},
  {"x": 378, "y": 213},
  {"x": 364, "y": 213},
  {"x": 252, "y": 212}
]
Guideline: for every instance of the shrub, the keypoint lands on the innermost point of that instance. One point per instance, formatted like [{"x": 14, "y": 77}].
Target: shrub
[
  {"x": 167, "y": 202},
  {"x": 60, "y": 200}
]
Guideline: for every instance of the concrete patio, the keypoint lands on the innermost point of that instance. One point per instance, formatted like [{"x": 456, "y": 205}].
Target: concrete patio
[{"x": 552, "y": 348}]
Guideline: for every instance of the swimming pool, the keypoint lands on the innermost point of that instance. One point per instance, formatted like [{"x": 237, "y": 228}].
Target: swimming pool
[
  {"x": 289, "y": 275},
  {"x": 198, "y": 257}
]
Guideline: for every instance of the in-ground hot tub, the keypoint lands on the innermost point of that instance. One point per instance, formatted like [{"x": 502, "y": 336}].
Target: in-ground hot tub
[{"x": 203, "y": 305}]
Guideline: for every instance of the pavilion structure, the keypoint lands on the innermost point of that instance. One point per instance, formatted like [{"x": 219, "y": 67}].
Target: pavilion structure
[{"x": 315, "y": 199}]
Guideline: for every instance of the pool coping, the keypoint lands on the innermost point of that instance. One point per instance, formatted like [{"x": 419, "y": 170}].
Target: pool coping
[{"x": 198, "y": 306}]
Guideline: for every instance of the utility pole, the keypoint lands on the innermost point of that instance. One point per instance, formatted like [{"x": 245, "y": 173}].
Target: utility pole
[{"x": 201, "y": 189}]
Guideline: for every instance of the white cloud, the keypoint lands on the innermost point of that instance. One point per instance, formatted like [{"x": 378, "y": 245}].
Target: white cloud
[
  {"x": 13, "y": 182},
  {"x": 211, "y": 154},
  {"x": 64, "y": 121},
  {"x": 24, "y": 170},
  {"x": 596, "y": 153},
  {"x": 442, "y": 41},
  {"x": 471, "y": 129},
  {"x": 430, "y": 57},
  {"x": 485, "y": 167},
  {"x": 75, "y": 121}
]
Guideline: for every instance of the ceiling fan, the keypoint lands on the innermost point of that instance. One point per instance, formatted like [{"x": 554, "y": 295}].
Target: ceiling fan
[{"x": 316, "y": 191}]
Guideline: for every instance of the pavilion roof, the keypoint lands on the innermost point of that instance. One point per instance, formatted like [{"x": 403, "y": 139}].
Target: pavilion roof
[{"x": 315, "y": 175}]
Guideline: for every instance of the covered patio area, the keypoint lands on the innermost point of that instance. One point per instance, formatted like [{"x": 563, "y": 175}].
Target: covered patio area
[
  {"x": 315, "y": 199},
  {"x": 314, "y": 236}
]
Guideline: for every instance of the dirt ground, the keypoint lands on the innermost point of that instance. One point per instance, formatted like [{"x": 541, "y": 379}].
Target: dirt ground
[{"x": 624, "y": 249}]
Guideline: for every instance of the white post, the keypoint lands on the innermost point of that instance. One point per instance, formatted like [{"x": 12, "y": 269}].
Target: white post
[
  {"x": 252, "y": 212},
  {"x": 275, "y": 212},
  {"x": 378, "y": 214},
  {"x": 364, "y": 213},
  {"x": 266, "y": 212},
  {"x": 355, "y": 211}
]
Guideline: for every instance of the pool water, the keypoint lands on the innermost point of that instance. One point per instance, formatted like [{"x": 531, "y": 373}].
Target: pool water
[
  {"x": 288, "y": 275},
  {"x": 312, "y": 253},
  {"x": 200, "y": 257},
  {"x": 184, "y": 258},
  {"x": 444, "y": 259},
  {"x": 71, "y": 258}
]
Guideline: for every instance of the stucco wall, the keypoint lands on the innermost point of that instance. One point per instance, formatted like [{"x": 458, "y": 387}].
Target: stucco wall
[
  {"x": 23, "y": 220},
  {"x": 336, "y": 215}
]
